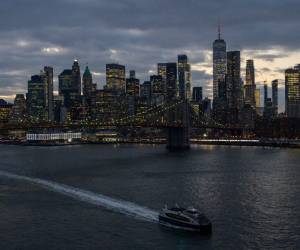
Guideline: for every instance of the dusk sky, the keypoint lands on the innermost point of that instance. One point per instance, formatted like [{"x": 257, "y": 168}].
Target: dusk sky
[{"x": 140, "y": 34}]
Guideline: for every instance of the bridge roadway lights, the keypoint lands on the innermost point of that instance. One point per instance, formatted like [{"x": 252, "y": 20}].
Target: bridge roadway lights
[{"x": 178, "y": 138}]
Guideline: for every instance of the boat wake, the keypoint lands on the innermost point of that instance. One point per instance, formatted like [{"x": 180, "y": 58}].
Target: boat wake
[{"x": 120, "y": 206}]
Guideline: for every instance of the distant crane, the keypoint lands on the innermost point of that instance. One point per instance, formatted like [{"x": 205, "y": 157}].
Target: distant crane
[{"x": 262, "y": 77}]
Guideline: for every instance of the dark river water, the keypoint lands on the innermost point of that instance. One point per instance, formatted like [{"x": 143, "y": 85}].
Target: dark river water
[{"x": 107, "y": 197}]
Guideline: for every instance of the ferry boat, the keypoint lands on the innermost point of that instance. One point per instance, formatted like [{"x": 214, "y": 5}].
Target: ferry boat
[{"x": 187, "y": 219}]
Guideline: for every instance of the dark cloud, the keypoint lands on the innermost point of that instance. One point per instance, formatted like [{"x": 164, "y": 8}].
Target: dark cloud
[
  {"x": 270, "y": 57},
  {"x": 138, "y": 33},
  {"x": 265, "y": 69}
]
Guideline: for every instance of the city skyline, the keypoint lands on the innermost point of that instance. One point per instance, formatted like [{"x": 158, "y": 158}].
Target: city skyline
[
  {"x": 207, "y": 89},
  {"x": 92, "y": 34},
  {"x": 127, "y": 73}
]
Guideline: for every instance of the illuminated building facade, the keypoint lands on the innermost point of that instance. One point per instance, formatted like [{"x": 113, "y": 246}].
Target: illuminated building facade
[
  {"x": 257, "y": 98},
  {"x": 132, "y": 85},
  {"x": 109, "y": 105},
  {"x": 36, "y": 101},
  {"x": 115, "y": 77},
  {"x": 162, "y": 73},
  {"x": 184, "y": 77},
  {"x": 5, "y": 111},
  {"x": 19, "y": 109},
  {"x": 292, "y": 92},
  {"x": 54, "y": 137},
  {"x": 168, "y": 73},
  {"x": 157, "y": 85}
]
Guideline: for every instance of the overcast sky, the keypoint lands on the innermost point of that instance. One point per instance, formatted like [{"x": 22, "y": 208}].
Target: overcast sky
[{"x": 141, "y": 33}]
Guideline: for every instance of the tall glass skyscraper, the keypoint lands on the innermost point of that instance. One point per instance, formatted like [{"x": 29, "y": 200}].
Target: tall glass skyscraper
[
  {"x": 275, "y": 96},
  {"x": 219, "y": 63},
  {"x": 292, "y": 92},
  {"x": 36, "y": 100},
  {"x": 171, "y": 83},
  {"x": 168, "y": 73},
  {"x": 162, "y": 72},
  {"x": 250, "y": 84},
  {"x": 184, "y": 77}
]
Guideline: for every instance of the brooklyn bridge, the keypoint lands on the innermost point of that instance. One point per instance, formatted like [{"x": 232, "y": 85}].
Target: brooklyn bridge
[{"x": 177, "y": 118}]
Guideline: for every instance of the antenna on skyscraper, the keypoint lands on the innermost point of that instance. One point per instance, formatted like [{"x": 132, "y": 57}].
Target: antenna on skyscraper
[{"x": 219, "y": 29}]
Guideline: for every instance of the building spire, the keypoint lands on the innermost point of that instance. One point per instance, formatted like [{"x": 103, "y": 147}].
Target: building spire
[{"x": 219, "y": 30}]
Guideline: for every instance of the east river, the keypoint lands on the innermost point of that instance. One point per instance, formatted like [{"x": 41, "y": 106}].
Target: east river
[{"x": 108, "y": 196}]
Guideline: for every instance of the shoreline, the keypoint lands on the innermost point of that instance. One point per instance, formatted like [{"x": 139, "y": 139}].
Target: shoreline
[{"x": 239, "y": 143}]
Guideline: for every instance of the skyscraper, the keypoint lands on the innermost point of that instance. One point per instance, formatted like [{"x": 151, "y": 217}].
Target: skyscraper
[
  {"x": 146, "y": 92},
  {"x": 76, "y": 77},
  {"x": 66, "y": 88},
  {"x": 36, "y": 101},
  {"x": 168, "y": 73},
  {"x": 89, "y": 91},
  {"x": 48, "y": 71},
  {"x": 250, "y": 84},
  {"x": 171, "y": 83},
  {"x": 162, "y": 72},
  {"x": 197, "y": 94},
  {"x": 292, "y": 92},
  {"x": 257, "y": 98},
  {"x": 5, "y": 111},
  {"x": 268, "y": 109},
  {"x": 131, "y": 73},
  {"x": 132, "y": 85},
  {"x": 220, "y": 104},
  {"x": 233, "y": 81},
  {"x": 69, "y": 86},
  {"x": 60, "y": 112},
  {"x": 206, "y": 107},
  {"x": 265, "y": 94},
  {"x": 19, "y": 109},
  {"x": 275, "y": 96},
  {"x": 87, "y": 81},
  {"x": 115, "y": 77},
  {"x": 184, "y": 77},
  {"x": 157, "y": 85},
  {"x": 219, "y": 62},
  {"x": 250, "y": 72}
]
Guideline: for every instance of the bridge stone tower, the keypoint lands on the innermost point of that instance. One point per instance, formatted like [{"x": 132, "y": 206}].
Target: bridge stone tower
[{"x": 179, "y": 133}]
